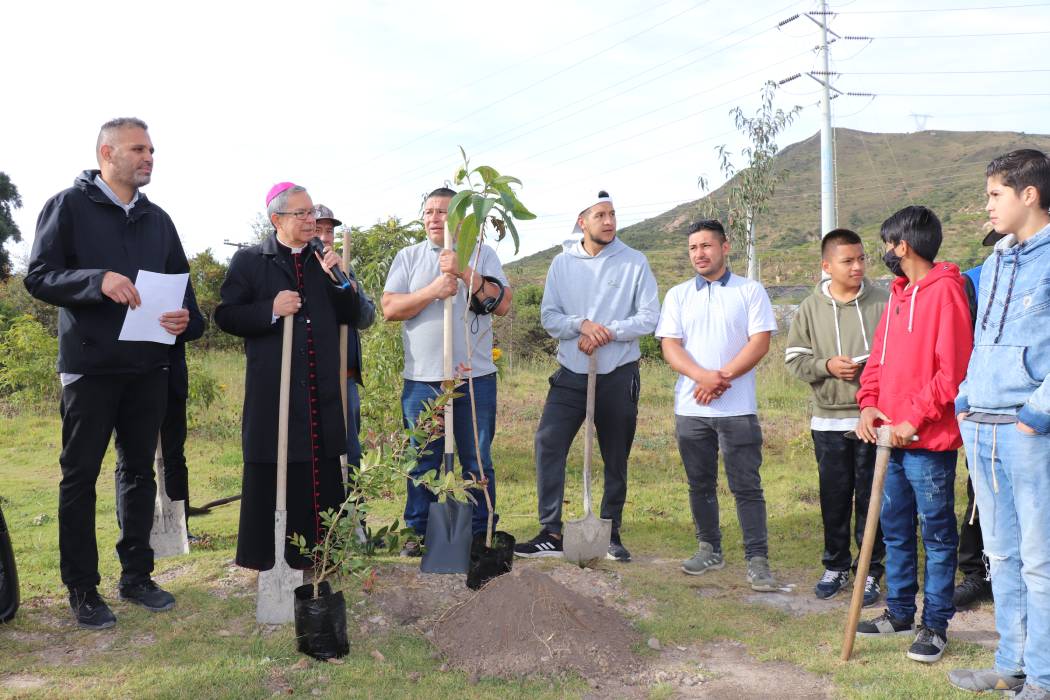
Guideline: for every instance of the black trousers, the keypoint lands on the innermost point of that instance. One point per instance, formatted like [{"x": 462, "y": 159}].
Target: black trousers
[
  {"x": 971, "y": 543},
  {"x": 92, "y": 408},
  {"x": 615, "y": 418},
  {"x": 846, "y": 469},
  {"x": 172, "y": 445}
]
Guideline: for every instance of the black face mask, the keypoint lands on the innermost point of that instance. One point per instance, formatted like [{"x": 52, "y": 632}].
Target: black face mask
[{"x": 893, "y": 263}]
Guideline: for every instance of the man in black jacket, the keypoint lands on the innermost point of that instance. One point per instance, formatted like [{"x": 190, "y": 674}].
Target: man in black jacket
[
  {"x": 91, "y": 242},
  {"x": 276, "y": 278}
]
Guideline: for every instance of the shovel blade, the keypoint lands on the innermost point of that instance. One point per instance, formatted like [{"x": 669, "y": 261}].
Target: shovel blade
[
  {"x": 448, "y": 538},
  {"x": 275, "y": 601},
  {"x": 586, "y": 540},
  {"x": 169, "y": 538}
]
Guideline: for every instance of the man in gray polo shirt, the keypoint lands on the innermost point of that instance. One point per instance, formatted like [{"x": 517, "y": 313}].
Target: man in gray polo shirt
[
  {"x": 421, "y": 277},
  {"x": 714, "y": 329}
]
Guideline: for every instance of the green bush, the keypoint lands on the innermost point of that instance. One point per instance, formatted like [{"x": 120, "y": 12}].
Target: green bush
[
  {"x": 27, "y": 364},
  {"x": 204, "y": 389},
  {"x": 650, "y": 348}
]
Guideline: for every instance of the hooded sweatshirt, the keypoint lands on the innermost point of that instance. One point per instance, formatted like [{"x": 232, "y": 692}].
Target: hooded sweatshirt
[
  {"x": 919, "y": 356},
  {"x": 614, "y": 288},
  {"x": 824, "y": 328},
  {"x": 1011, "y": 357}
]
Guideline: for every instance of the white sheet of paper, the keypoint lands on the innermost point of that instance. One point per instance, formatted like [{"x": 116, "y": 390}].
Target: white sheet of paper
[{"x": 159, "y": 293}]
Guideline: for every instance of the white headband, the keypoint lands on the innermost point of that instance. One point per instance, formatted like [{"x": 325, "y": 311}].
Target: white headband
[{"x": 576, "y": 227}]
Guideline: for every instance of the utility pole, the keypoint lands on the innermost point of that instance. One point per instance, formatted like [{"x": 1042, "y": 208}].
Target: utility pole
[
  {"x": 828, "y": 207},
  {"x": 828, "y": 212}
]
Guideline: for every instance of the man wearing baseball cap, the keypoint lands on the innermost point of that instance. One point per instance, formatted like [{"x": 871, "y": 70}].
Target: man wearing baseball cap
[
  {"x": 325, "y": 229},
  {"x": 275, "y": 278},
  {"x": 600, "y": 297}
]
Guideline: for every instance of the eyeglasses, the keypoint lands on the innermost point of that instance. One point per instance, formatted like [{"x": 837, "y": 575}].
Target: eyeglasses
[{"x": 301, "y": 214}]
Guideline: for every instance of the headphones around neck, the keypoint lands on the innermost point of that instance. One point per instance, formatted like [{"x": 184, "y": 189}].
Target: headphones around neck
[{"x": 486, "y": 306}]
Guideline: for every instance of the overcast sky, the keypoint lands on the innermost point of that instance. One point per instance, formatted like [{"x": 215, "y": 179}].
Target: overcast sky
[{"x": 366, "y": 103}]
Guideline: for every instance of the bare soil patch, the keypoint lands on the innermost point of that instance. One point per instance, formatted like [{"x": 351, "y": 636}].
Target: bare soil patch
[
  {"x": 976, "y": 626},
  {"x": 525, "y": 620}
]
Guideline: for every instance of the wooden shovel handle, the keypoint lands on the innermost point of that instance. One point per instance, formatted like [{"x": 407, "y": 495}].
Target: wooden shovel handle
[
  {"x": 588, "y": 430},
  {"x": 450, "y": 444},
  {"x": 871, "y": 525},
  {"x": 282, "y": 414}
]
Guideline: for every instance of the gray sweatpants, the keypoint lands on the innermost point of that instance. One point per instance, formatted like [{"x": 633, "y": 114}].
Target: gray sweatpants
[
  {"x": 740, "y": 439},
  {"x": 615, "y": 417}
]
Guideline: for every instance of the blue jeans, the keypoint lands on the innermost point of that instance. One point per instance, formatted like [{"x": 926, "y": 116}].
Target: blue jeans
[
  {"x": 417, "y": 507},
  {"x": 920, "y": 490},
  {"x": 1015, "y": 522}
]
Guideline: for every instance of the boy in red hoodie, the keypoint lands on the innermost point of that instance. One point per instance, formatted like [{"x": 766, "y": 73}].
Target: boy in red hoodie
[{"x": 919, "y": 357}]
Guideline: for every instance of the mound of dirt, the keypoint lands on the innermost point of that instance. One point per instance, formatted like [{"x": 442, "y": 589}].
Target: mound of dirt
[{"x": 525, "y": 622}]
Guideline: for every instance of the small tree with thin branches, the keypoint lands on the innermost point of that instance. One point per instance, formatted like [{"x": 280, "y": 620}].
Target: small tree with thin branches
[{"x": 749, "y": 191}]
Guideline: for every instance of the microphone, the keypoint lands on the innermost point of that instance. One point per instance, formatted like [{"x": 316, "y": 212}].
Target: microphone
[{"x": 317, "y": 246}]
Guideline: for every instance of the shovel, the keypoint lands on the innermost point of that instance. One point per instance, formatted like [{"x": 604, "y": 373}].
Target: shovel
[
  {"x": 344, "y": 374},
  {"x": 587, "y": 539},
  {"x": 168, "y": 538},
  {"x": 449, "y": 533},
  {"x": 884, "y": 445},
  {"x": 275, "y": 602}
]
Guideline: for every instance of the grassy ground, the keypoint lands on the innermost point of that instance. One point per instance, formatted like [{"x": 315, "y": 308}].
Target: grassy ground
[{"x": 209, "y": 645}]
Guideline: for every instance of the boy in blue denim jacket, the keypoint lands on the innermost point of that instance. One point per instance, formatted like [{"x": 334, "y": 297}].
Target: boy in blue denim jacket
[{"x": 1004, "y": 409}]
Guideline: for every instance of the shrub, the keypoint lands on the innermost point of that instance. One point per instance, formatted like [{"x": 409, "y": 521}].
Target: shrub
[
  {"x": 27, "y": 364},
  {"x": 204, "y": 389}
]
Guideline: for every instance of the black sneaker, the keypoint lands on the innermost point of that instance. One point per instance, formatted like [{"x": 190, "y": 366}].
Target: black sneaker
[
  {"x": 542, "y": 545},
  {"x": 617, "y": 552},
  {"x": 147, "y": 594},
  {"x": 929, "y": 645},
  {"x": 90, "y": 610},
  {"x": 830, "y": 583},
  {"x": 884, "y": 624},
  {"x": 872, "y": 592},
  {"x": 972, "y": 590}
]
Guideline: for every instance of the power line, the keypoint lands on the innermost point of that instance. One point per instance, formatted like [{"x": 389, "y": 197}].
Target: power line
[
  {"x": 951, "y": 94},
  {"x": 947, "y": 36},
  {"x": 428, "y": 167},
  {"x": 533, "y": 57},
  {"x": 941, "y": 72},
  {"x": 538, "y": 82},
  {"x": 938, "y": 9}
]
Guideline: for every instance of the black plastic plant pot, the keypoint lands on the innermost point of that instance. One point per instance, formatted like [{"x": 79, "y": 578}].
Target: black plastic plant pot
[
  {"x": 320, "y": 623},
  {"x": 8, "y": 574},
  {"x": 487, "y": 563}
]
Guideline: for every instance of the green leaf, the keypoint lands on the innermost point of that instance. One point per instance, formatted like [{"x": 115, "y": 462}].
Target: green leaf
[
  {"x": 506, "y": 180},
  {"x": 488, "y": 174},
  {"x": 482, "y": 205},
  {"x": 519, "y": 212},
  {"x": 468, "y": 237},
  {"x": 456, "y": 209}
]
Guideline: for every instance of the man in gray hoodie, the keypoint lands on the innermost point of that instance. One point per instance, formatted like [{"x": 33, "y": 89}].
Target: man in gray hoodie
[{"x": 600, "y": 297}]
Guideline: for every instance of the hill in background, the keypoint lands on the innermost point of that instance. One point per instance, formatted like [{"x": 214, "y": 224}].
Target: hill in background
[{"x": 877, "y": 175}]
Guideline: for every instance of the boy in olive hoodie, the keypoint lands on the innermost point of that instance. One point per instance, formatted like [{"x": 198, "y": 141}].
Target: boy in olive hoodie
[{"x": 828, "y": 344}]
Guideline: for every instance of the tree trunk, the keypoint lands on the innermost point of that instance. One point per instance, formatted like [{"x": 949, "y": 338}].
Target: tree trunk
[{"x": 752, "y": 252}]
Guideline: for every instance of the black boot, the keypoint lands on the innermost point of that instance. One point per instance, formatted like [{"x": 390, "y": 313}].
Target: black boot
[{"x": 972, "y": 590}]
